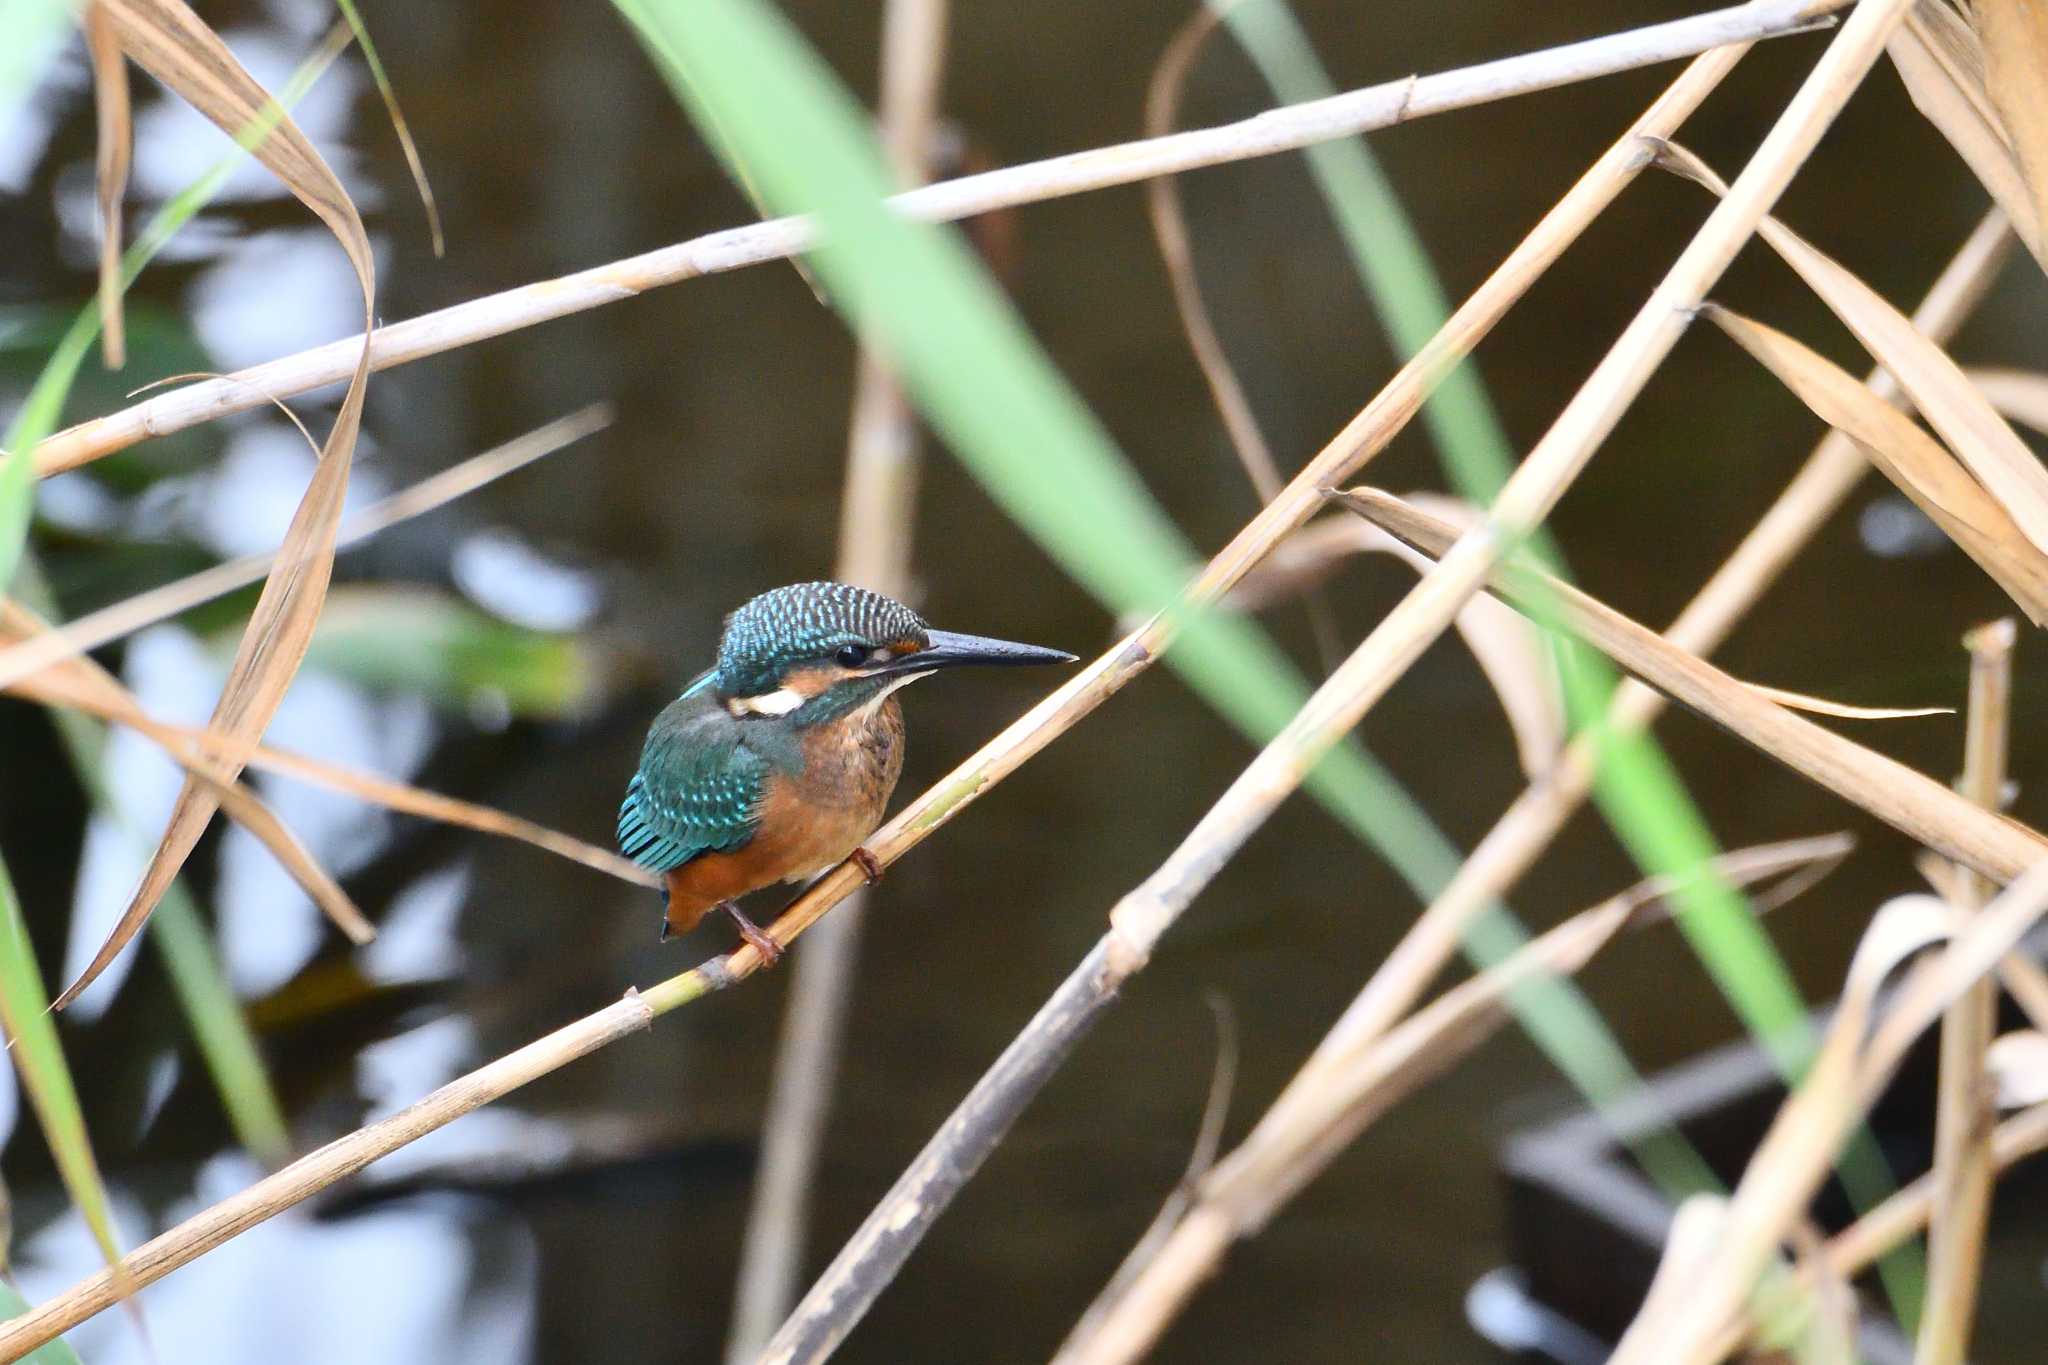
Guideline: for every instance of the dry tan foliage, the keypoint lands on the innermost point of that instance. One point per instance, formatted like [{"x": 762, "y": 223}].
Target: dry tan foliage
[{"x": 166, "y": 39}]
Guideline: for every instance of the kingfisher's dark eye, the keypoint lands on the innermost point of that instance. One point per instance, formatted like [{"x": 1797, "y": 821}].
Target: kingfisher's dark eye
[{"x": 851, "y": 656}]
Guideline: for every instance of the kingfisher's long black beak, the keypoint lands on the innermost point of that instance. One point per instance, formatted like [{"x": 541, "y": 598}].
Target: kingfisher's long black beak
[{"x": 947, "y": 650}]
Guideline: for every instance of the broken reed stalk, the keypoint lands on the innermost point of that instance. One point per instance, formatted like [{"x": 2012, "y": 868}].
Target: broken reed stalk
[
  {"x": 1363, "y": 437},
  {"x": 878, "y": 512},
  {"x": 1275, "y": 131},
  {"x": 1920, "y": 807},
  {"x": 1964, "y": 1112},
  {"x": 1535, "y": 818},
  {"x": 870, "y": 1260},
  {"x": 1243, "y": 1192}
]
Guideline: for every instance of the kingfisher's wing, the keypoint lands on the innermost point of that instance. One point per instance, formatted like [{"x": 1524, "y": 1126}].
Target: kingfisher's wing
[{"x": 698, "y": 789}]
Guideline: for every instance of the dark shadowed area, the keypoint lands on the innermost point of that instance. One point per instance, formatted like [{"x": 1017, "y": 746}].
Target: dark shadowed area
[{"x": 598, "y": 1214}]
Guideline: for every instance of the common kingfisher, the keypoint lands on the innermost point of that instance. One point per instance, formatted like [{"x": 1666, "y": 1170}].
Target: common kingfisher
[{"x": 776, "y": 763}]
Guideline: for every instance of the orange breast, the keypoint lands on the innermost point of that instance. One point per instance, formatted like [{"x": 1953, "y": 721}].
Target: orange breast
[{"x": 808, "y": 821}]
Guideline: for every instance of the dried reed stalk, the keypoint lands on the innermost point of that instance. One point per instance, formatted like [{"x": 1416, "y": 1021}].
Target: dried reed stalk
[
  {"x": 1964, "y": 1115},
  {"x": 1278, "y": 130},
  {"x": 877, "y": 515},
  {"x": 1368, "y": 433}
]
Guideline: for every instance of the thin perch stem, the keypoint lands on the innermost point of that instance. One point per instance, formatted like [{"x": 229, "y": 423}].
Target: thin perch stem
[{"x": 1278, "y": 130}]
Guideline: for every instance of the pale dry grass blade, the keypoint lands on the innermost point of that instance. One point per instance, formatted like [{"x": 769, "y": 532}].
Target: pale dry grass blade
[
  {"x": 115, "y": 140},
  {"x": 2021, "y": 395},
  {"x": 110, "y": 623},
  {"x": 1508, "y": 649},
  {"x": 1908, "y": 456},
  {"x": 166, "y": 39},
  {"x": 2015, "y": 38},
  {"x": 1938, "y": 387},
  {"x": 1267, "y": 134},
  {"x": 1926, "y": 810},
  {"x": 1938, "y": 59},
  {"x": 1821, "y": 706},
  {"x": 1963, "y": 1105},
  {"x": 1348, "y": 1090},
  {"x": 888, "y": 1235}
]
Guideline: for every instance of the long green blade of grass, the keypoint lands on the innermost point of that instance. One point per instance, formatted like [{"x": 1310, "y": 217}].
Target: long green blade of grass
[
  {"x": 914, "y": 293},
  {"x": 1637, "y": 789},
  {"x": 32, "y": 1041}
]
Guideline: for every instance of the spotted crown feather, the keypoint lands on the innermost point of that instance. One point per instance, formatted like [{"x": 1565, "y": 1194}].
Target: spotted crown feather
[{"x": 806, "y": 621}]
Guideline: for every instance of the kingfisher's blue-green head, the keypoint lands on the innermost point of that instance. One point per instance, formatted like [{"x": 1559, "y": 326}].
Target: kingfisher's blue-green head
[{"x": 814, "y": 651}]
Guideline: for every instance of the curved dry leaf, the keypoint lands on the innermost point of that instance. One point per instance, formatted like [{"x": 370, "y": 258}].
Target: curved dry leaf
[
  {"x": 1936, "y": 384},
  {"x": 1942, "y": 65},
  {"x": 2015, "y": 38},
  {"x": 1906, "y": 455},
  {"x": 2018, "y": 1063},
  {"x": 115, "y": 141},
  {"x": 1508, "y": 648},
  {"x": 168, "y": 40},
  {"x": 1821, "y": 706},
  {"x": 2022, "y": 395}
]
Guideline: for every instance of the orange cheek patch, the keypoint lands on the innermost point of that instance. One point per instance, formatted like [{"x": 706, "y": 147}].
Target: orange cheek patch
[{"x": 813, "y": 680}]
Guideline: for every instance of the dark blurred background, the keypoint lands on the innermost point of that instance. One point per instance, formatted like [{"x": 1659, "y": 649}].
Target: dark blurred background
[{"x": 598, "y": 1213}]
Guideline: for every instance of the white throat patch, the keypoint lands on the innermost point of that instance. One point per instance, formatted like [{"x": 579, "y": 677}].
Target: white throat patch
[{"x": 780, "y": 702}]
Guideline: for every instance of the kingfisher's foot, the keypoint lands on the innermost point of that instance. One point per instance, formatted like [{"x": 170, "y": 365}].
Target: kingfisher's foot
[
  {"x": 870, "y": 865},
  {"x": 768, "y": 948}
]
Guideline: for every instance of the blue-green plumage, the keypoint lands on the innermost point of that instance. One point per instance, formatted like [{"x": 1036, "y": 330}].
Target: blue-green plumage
[{"x": 779, "y": 760}]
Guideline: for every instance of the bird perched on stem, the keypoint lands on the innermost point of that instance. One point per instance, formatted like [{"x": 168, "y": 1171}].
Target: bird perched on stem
[{"x": 776, "y": 763}]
